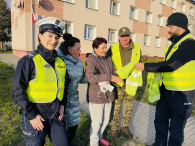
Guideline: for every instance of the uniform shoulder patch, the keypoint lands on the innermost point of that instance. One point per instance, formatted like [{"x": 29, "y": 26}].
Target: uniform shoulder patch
[{"x": 32, "y": 54}]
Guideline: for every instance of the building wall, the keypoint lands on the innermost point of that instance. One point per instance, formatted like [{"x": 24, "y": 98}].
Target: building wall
[{"x": 101, "y": 19}]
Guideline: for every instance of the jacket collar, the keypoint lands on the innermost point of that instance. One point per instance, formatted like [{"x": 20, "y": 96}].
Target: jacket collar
[
  {"x": 67, "y": 56},
  {"x": 176, "y": 39},
  {"x": 97, "y": 56},
  {"x": 46, "y": 54}
]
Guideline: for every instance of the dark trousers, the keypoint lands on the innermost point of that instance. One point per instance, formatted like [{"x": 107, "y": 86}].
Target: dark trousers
[
  {"x": 175, "y": 106},
  {"x": 55, "y": 129},
  {"x": 71, "y": 133}
]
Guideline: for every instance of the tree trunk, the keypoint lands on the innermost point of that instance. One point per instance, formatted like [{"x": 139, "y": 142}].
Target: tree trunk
[{"x": 1, "y": 45}]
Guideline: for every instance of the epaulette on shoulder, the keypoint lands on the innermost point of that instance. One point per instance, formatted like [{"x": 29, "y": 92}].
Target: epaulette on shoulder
[
  {"x": 188, "y": 39},
  {"x": 32, "y": 54}
]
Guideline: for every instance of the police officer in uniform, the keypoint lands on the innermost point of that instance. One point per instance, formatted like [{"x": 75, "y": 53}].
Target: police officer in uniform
[
  {"x": 39, "y": 88},
  {"x": 178, "y": 82},
  {"x": 122, "y": 53}
]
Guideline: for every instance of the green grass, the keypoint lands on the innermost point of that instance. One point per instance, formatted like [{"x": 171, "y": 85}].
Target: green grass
[
  {"x": 10, "y": 124},
  {"x": 5, "y": 52}
]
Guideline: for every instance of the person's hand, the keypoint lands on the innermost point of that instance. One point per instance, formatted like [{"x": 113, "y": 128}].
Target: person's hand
[
  {"x": 37, "y": 122},
  {"x": 61, "y": 112},
  {"x": 116, "y": 79},
  {"x": 139, "y": 66},
  {"x": 107, "y": 82}
]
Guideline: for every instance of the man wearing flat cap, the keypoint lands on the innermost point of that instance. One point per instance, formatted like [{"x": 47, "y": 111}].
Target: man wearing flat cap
[
  {"x": 122, "y": 53},
  {"x": 177, "y": 83}
]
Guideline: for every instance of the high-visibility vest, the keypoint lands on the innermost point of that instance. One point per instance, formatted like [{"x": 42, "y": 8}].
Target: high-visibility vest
[
  {"x": 116, "y": 56},
  {"x": 182, "y": 79},
  {"x": 133, "y": 80},
  {"x": 154, "y": 80},
  {"x": 48, "y": 83}
]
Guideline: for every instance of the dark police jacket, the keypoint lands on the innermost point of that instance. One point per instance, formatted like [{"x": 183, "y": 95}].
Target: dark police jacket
[{"x": 25, "y": 72}]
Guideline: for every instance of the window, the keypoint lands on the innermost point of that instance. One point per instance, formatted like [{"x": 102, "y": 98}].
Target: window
[
  {"x": 173, "y": 4},
  {"x": 183, "y": 7},
  {"x": 157, "y": 42},
  {"x": 68, "y": 27},
  {"x": 112, "y": 35},
  {"x": 148, "y": 17},
  {"x": 114, "y": 7},
  {"x": 92, "y": 4},
  {"x": 160, "y": 20},
  {"x": 191, "y": 11},
  {"x": 168, "y": 42},
  {"x": 133, "y": 36},
  {"x": 69, "y": 1},
  {"x": 89, "y": 32},
  {"x": 146, "y": 40},
  {"x": 194, "y": 30},
  {"x": 190, "y": 27},
  {"x": 162, "y": 2},
  {"x": 133, "y": 13}
]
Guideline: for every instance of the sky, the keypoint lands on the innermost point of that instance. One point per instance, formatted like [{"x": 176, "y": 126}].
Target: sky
[{"x": 8, "y": 3}]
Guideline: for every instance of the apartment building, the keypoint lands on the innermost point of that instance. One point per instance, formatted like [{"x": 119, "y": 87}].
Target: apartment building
[{"x": 88, "y": 19}]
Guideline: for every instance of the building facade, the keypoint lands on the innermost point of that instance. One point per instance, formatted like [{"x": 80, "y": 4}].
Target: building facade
[{"x": 88, "y": 19}]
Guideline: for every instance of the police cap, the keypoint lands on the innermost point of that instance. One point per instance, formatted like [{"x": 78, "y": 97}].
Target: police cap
[{"x": 51, "y": 24}]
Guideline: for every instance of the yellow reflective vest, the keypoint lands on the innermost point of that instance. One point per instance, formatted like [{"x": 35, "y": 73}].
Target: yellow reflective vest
[
  {"x": 133, "y": 80},
  {"x": 182, "y": 79},
  {"x": 48, "y": 83},
  {"x": 116, "y": 57},
  {"x": 154, "y": 80}
]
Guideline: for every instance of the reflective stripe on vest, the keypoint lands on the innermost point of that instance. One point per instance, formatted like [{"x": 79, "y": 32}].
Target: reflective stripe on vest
[
  {"x": 116, "y": 57},
  {"x": 48, "y": 83},
  {"x": 133, "y": 81},
  {"x": 182, "y": 79}
]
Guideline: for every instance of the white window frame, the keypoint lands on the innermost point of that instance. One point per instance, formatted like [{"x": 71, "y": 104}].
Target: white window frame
[
  {"x": 133, "y": 16},
  {"x": 133, "y": 36},
  {"x": 146, "y": 41},
  {"x": 86, "y": 28},
  {"x": 163, "y": 2},
  {"x": 191, "y": 13},
  {"x": 71, "y": 27},
  {"x": 117, "y": 7},
  {"x": 149, "y": 16},
  {"x": 173, "y": 4},
  {"x": 168, "y": 42},
  {"x": 68, "y": 1},
  {"x": 109, "y": 35},
  {"x": 190, "y": 27},
  {"x": 157, "y": 42},
  {"x": 183, "y": 7},
  {"x": 88, "y": 4},
  {"x": 160, "y": 20},
  {"x": 194, "y": 30}
]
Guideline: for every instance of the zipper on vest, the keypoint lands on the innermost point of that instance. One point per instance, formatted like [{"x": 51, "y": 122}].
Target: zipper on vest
[
  {"x": 107, "y": 73},
  {"x": 56, "y": 80}
]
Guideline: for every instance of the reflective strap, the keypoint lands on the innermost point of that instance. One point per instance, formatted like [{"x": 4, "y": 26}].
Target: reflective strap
[
  {"x": 156, "y": 97},
  {"x": 158, "y": 78},
  {"x": 135, "y": 75},
  {"x": 132, "y": 83}
]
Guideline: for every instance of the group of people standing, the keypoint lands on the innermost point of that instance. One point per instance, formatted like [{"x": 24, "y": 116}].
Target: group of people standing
[{"x": 45, "y": 85}]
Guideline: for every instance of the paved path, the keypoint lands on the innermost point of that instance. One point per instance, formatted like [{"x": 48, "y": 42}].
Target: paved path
[{"x": 142, "y": 120}]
